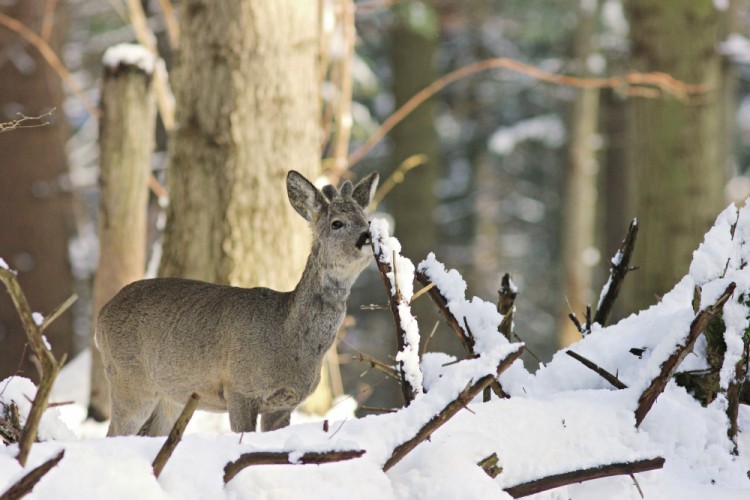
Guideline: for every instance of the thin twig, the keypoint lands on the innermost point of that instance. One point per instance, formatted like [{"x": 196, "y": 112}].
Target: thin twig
[
  {"x": 21, "y": 122},
  {"x": 175, "y": 435},
  {"x": 57, "y": 312},
  {"x": 171, "y": 23},
  {"x": 397, "y": 177},
  {"x": 378, "y": 365},
  {"x": 599, "y": 370}
]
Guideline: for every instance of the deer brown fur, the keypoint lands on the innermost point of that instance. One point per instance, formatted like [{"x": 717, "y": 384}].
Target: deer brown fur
[{"x": 248, "y": 351}]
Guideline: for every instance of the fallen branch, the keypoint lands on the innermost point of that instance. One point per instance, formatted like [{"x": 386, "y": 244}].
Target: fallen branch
[
  {"x": 612, "y": 379},
  {"x": 175, "y": 435},
  {"x": 463, "y": 399},
  {"x": 551, "y": 482},
  {"x": 617, "y": 272},
  {"x": 48, "y": 365},
  {"x": 669, "y": 366},
  {"x": 24, "y": 485},
  {"x": 231, "y": 469}
]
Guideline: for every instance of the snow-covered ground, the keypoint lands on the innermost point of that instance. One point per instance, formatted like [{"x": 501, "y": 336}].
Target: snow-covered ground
[{"x": 563, "y": 418}]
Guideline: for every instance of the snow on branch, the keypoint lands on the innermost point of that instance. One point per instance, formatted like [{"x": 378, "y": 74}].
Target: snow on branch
[
  {"x": 398, "y": 277},
  {"x": 669, "y": 366},
  {"x": 464, "y": 397}
]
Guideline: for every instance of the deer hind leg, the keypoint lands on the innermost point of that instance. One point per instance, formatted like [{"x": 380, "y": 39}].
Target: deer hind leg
[
  {"x": 273, "y": 420},
  {"x": 243, "y": 412},
  {"x": 131, "y": 407},
  {"x": 162, "y": 419}
]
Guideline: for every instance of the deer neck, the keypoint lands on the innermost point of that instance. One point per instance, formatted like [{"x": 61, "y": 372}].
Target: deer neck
[{"x": 319, "y": 300}]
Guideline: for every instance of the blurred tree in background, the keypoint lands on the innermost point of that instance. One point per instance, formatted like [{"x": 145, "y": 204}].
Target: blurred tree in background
[{"x": 36, "y": 206}]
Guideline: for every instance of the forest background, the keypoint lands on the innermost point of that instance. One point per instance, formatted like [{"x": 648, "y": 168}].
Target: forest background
[{"x": 501, "y": 170}]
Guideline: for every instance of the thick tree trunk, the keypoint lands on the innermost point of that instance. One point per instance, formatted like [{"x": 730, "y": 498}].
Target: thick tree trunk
[
  {"x": 245, "y": 82},
  {"x": 126, "y": 141},
  {"x": 581, "y": 180},
  {"x": 413, "y": 42},
  {"x": 678, "y": 179},
  {"x": 35, "y": 207}
]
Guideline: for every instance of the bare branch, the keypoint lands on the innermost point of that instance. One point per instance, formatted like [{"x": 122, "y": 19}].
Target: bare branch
[
  {"x": 23, "y": 486},
  {"x": 282, "y": 458},
  {"x": 175, "y": 435},
  {"x": 601, "y": 371},
  {"x": 442, "y": 303},
  {"x": 617, "y": 272},
  {"x": 551, "y": 482},
  {"x": 463, "y": 399},
  {"x": 669, "y": 366}
]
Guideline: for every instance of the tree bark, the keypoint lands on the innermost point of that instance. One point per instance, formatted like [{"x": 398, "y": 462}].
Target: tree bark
[
  {"x": 126, "y": 141},
  {"x": 675, "y": 157},
  {"x": 245, "y": 83},
  {"x": 37, "y": 207}
]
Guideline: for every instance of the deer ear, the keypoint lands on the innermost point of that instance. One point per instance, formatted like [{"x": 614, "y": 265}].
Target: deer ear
[
  {"x": 365, "y": 190},
  {"x": 304, "y": 197}
]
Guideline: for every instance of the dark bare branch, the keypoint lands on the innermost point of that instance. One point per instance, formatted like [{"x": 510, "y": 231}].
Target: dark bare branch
[
  {"x": 617, "y": 272},
  {"x": 734, "y": 391},
  {"x": 282, "y": 458},
  {"x": 599, "y": 370},
  {"x": 669, "y": 366},
  {"x": 551, "y": 482}
]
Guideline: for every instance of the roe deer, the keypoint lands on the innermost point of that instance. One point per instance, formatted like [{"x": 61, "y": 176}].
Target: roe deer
[{"x": 246, "y": 351}]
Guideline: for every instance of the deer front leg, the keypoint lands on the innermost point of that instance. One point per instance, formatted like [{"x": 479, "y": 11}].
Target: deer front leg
[
  {"x": 274, "y": 420},
  {"x": 243, "y": 412}
]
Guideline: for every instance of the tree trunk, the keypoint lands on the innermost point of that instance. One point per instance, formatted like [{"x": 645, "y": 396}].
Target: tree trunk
[
  {"x": 678, "y": 178},
  {"x": 36, "y": 208},
  {"x": 126, "y": 141},
  {"x": 581, "y": 180},
  {"x": 413, "y": 42},
  {"x": 245, "y": 82}
]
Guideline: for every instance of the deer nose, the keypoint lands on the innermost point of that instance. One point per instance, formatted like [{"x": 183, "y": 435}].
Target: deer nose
[{"x": 364, "y": 239}]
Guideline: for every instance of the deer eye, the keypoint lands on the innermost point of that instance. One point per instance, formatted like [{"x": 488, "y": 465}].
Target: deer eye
[{"x": 337, "y": 224}]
